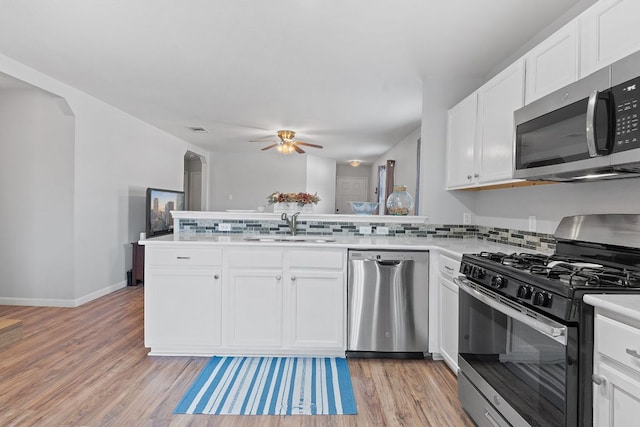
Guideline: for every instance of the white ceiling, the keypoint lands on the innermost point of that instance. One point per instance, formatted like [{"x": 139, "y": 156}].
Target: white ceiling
[{"x": 346, "y": 74}]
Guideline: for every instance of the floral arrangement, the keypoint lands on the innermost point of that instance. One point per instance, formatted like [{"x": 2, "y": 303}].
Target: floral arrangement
[{"x": 300, "y": 198}]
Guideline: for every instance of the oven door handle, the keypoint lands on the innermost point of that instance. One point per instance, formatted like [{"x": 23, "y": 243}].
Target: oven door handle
[{"x": 554, "y": 331}]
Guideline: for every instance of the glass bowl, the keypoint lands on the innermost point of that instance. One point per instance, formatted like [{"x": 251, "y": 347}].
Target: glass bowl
[{"x": 363, "y": 208}]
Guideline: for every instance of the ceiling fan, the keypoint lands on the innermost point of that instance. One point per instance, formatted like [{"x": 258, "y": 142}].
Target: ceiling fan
[{"x": 286, "y": 144}]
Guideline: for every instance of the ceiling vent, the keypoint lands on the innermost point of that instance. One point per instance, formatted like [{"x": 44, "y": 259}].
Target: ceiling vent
[{"x": 197, "y": 129}]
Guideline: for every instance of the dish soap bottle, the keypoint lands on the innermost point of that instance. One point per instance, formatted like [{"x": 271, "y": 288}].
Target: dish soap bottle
[{"x": 399, "y": 202}]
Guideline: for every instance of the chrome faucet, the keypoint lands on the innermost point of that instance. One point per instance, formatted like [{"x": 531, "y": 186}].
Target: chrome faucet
[{"x": 291, "y": 221}]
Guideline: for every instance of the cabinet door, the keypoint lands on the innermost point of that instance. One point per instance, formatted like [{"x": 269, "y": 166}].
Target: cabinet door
[
  {"x": 616, "y": 401},
  {"x": 553, "y": 63},
  {"x": 449, "y": 323},
  {"x": 182, "y": 309},
  {"x": 253, "y": 313},
  {"x": 610, "y": 31},
  {"x": 317, "y": 310},
  {"x": 497, "y": 100},
  {"x": 461, "y": 135}
]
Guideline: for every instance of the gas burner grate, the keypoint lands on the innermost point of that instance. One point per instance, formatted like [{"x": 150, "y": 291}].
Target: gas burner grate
[{"x": 576, "y": 275}]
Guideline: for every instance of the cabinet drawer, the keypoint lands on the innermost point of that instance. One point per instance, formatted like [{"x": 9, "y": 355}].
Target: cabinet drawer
[
  {"x": 255, "y": 258},
  {"x": 184, "y": 256},
  {"x": 316, "y": 259},
  {"x": 449, "y": 267},
  {"x": 618, "y": 341}
]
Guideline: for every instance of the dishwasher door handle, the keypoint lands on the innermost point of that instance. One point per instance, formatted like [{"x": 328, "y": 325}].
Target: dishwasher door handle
[{"x": 389, "y": 263}]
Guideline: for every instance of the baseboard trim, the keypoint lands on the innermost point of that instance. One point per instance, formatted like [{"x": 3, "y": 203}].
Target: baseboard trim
[{"x": 69, "y": 303}]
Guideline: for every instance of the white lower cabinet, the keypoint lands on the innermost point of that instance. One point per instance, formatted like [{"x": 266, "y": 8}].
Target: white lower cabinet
[
  {"x": 617, "y": 399},
  {"x": 245, "y": 300},
  {"x": 316, "y": 317},
  {"x": 182, "y": 300},
  {"x": 294, "y": 303},
  {"x": 254, "y": 309},
  {"x": 616, "y": 372},
  {"x": 448, "y": 307}
]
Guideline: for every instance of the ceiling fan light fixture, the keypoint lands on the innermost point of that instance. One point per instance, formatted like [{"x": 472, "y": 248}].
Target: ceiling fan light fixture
[
  {"x": 286, "y": 135},
  {"x": 285, "y": 148},
  {"x": 355, "y": 163}
]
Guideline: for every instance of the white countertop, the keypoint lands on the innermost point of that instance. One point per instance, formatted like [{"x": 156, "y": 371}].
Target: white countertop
[
  {"x": 453, "y": 247},
  {"x": 309, "y": 217},
  {"x": 624, "y": 305}
]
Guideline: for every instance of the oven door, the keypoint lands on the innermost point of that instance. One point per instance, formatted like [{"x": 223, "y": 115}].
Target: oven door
[
  {"x": 567, "y": 134},
  {"x": 521, "y": 362}
]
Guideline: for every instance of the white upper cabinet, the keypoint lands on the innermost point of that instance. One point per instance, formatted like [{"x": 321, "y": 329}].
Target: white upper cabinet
[
  {"x": 461, "y": 136},
  {"x": 480, "y": 132},
  {"x": 609, "y": 31},
  {"x": 497, "y": 100},
  {"x": 554, "y": 63}
]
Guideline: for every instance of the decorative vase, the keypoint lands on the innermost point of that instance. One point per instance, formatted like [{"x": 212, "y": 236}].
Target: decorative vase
[
  {"x": 399, "y": 202},
  {"x": 292, "y": 207}
]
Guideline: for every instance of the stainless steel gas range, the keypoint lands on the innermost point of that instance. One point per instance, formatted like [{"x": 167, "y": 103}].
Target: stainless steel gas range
[{"x": 526, "y": 337}]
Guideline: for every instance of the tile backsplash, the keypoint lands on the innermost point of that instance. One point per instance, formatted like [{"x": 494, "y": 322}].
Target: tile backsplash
[{"x": 518, "y": 238}]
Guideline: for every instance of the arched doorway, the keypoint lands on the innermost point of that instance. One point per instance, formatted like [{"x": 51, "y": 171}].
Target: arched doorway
[{"x": 194, "y": 184}]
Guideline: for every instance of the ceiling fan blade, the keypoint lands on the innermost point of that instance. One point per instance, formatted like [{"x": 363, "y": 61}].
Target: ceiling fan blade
[
  {"x": 270, "y": 146},
  {"x": 265, "y": 138},
  {"x": 308, "y": 144},
  {"x": 298, "y": 149}
]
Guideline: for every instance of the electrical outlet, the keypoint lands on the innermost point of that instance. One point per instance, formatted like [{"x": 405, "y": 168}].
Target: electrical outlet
[
  {"x": 224, "y": 227},
  {"x": 532, "y": 223},
  {"x": 466, "y": 218},
  {"x": 365, "y": 229},
  {"x": 382, "y": 230}
]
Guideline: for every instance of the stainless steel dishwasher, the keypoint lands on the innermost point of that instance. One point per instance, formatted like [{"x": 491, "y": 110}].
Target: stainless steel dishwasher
[{"x": 388, "y": 304}]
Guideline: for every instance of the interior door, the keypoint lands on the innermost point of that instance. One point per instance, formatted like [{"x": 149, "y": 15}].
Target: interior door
[{"x": 350, "y": 189}]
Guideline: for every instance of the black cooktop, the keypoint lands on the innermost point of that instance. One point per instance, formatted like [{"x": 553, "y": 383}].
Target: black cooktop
[
  {"x": 572, "y": 272},
  {"x": 553, "y": 284}
]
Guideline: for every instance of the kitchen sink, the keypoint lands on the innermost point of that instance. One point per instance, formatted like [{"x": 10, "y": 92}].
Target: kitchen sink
[{"x": 289, "y": 239}]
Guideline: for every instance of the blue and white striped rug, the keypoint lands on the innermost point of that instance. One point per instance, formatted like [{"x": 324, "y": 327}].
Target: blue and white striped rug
[{"x": 271, "y": 386}]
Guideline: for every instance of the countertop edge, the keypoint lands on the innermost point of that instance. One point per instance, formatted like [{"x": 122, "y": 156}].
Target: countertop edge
[
  {"x": 621, "y": 304},
  {"x": 454, "y": 248}
]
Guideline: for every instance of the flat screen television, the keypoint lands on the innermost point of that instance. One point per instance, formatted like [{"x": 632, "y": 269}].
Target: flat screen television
[{"x": 160, "y": 203}]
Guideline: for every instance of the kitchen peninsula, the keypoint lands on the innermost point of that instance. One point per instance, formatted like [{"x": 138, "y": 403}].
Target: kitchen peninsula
[{"x": 240, "y": 284}]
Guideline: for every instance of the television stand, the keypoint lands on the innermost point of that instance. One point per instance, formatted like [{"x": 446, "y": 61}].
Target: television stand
[{"x": 137, "y": 268}]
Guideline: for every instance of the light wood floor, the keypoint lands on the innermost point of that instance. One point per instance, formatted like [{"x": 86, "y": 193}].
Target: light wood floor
[{"x": 87, "y": 366}]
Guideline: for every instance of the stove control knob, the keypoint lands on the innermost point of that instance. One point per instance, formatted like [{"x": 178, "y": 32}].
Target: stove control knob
[
  {"x": 525, "y": 292},
  {"x": 498, "y": 282},
  {"x": 542, "y": 299},
  {"x": 466, "y": 269},
  {"x": 478, "y": 273}
]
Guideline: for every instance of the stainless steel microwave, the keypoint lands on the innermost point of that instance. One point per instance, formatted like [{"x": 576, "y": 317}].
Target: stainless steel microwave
[{"x": 589, "y": 129}]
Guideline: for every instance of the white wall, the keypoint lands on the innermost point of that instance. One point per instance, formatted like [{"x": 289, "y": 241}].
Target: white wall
[
  {"x": 321, "y": 179},
  {"x": 440, "y": 205},
  {"x": 115, "y": 157},
  {"x": 347, "y": 170},
  {"x": 405, "y": 155},
  {"x": 250, "y": 177},
  {"x": 36, "y": 192},
  {"x": 510, "y": 208}
]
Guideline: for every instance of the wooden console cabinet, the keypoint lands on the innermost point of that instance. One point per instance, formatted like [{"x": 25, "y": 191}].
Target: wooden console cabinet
[{"x": 137, "y": 266}]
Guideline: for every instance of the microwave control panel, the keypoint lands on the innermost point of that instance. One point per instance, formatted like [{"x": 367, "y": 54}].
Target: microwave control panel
[{"x": 626, "y": 98}]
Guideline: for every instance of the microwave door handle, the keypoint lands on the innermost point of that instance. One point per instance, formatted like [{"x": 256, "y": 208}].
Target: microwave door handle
[
  {"x": 557, "y": 333},
  {"x": 591, "y": 124}
]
